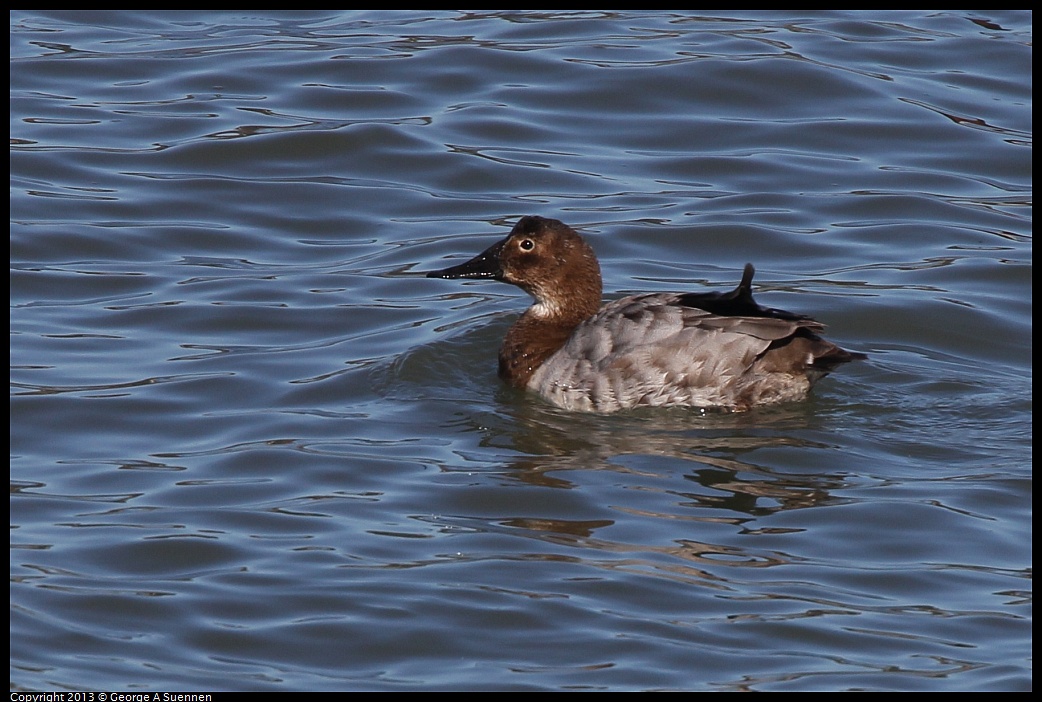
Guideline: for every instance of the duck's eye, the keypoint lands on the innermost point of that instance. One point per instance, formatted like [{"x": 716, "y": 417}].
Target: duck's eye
[{"x": 527, "y": 244}]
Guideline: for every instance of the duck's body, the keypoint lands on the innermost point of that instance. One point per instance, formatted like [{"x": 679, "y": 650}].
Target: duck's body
[{"x": 707, "y": 350}]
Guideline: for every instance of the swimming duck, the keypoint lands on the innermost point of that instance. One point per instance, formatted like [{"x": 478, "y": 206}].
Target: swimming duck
[{"x": 705, "y": 350}]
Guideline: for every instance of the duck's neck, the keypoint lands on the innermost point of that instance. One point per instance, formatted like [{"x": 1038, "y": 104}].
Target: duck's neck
[
  {"x": 527, "y": 345},
  {"x": 539, "y": 333}
]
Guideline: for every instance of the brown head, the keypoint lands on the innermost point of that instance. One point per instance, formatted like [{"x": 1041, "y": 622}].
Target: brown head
[{"x": 547, "y": 259}]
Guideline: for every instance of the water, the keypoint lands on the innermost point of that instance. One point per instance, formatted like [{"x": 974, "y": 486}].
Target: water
[{"x": 253, "y": 448}]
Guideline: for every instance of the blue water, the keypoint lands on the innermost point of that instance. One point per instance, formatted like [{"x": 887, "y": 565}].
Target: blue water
[{"x": 253, "y": 448}]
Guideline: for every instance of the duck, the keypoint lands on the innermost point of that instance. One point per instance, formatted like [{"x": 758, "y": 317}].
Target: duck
[{"x": 705, "y": 350}]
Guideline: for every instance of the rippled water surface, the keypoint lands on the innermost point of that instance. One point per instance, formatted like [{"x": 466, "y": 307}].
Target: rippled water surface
[{"x": 253, "y": 448}]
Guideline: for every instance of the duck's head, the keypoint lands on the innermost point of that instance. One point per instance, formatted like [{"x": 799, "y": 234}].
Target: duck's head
[{"x": 547, "y": 259}]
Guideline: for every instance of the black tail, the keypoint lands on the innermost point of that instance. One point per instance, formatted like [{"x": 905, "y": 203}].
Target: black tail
[{"x": 737, "y": 303}]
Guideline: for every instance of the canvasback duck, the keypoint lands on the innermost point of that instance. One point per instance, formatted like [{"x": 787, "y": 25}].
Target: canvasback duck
[{"x": 705, "y": 350}]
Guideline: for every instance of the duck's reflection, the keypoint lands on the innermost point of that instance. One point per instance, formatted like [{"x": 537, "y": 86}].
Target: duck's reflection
[{"x": 668, "y": 483}]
